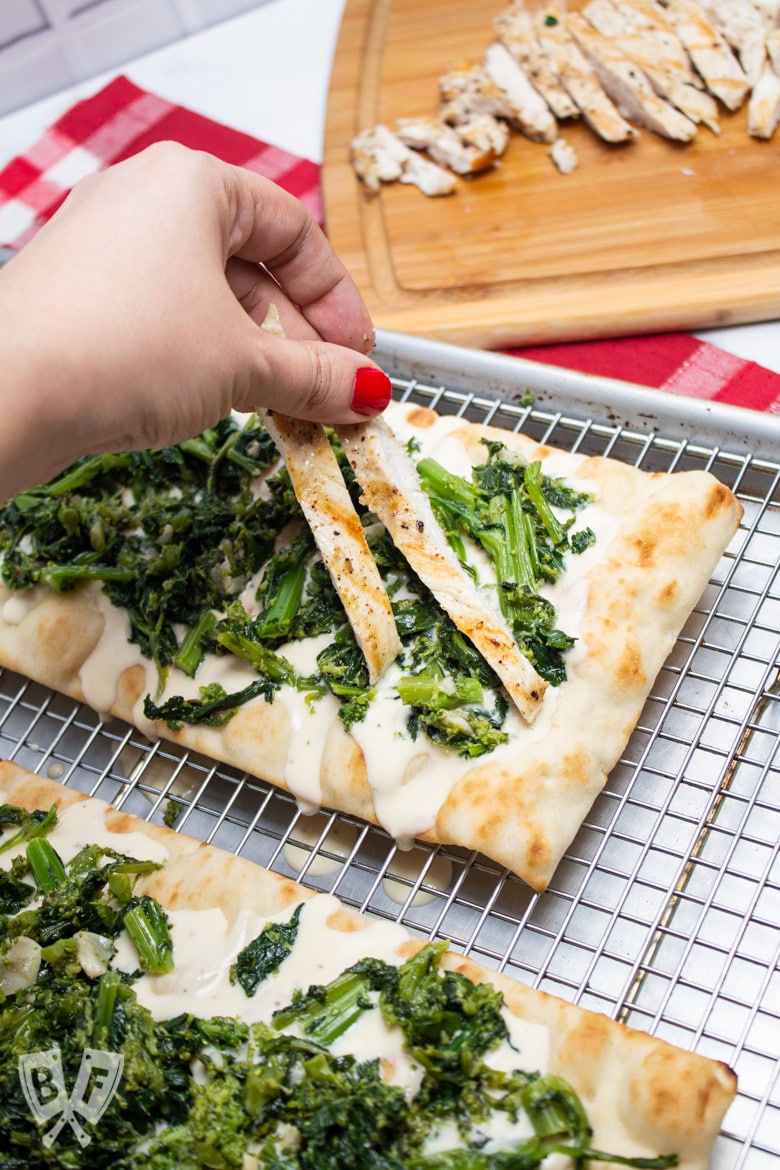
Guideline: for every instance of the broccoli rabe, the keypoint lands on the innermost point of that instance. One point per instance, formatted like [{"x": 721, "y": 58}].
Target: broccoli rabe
[
  {"x": 507, "y": 508},
  {"x": 28, "y": 825},
  {"x": 454, "y": 696},
  {"x": 92, "y": 893},
  {"x": 175, "y": 538},
  {"x": 171, "y": 534}
]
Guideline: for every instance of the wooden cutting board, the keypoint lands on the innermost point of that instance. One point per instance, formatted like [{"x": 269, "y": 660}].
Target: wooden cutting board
[{"x": 646, "y": 237}]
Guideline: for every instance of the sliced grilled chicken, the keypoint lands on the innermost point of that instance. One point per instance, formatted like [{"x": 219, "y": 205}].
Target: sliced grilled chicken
[
  {"x": 645, "y": 16},
  {"x": 466, "y": 149},
  {"x": 764, "y": 104},
  {"x": 485, "y": 132},
  {"x": 627, "y": 85},
  {"x": 579, "y": 79},
  {"x": 391, "y": 489},
  {"x": 379, "y": 156},
  {"x": 320, "y": 490},
  {"x": 466, "y": 93},
  {"x": 769, "y": 11},
  {"x": 720, "y": 69},
  {"x": 742, "y": 25},
  {"x": 531, "y": 113},
  {"x": 654, "y": 47},
  {"x": 515, "y": 29}
]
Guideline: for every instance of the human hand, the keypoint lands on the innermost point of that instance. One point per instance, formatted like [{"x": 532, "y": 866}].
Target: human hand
[{"x": 132, "y": 318}]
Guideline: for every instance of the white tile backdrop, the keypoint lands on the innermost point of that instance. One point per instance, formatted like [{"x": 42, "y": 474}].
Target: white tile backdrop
[{"x": 46, "y": 45}]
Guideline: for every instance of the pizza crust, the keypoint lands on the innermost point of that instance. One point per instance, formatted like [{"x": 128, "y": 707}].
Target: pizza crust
[
  {"x": 523, "y": 804},
  {"x": 643, "y": 1095}
]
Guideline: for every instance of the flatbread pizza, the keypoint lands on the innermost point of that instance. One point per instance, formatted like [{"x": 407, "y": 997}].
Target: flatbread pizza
[
  {"x": 257, "y": 1023},
  {"x": 183, "y": 591}
]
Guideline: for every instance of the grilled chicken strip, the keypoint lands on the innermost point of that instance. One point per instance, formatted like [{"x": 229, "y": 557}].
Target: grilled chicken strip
[
  {"x": 651, "y": 43},
  {"x": 651, "y": 17},
  {"x": 466, "y": 93},
  {"x": 515, "y": 29},
  {"x": 769, "y": 11},
  {"x": 579, "y": 79},
  {"x": 743, "y": 26},
  {"x": 467, "y": 148},
  {"x": 709, "y": 52},
  {"x": 764, "y": 104},
  {"x": 564, "y": 156},
  {"x": 627, "y": 85},
  {"x": 320, "y": 490},
  {"x": 391, "y": 489},
  {"x": 379, "y": 156},
  {"x": 530, "y": 111}
]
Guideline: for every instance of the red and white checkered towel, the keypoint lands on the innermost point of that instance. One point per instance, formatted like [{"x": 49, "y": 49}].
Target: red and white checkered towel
[
  {"x": 122, "y": 119},
  {"x": 114, "y": 124}
]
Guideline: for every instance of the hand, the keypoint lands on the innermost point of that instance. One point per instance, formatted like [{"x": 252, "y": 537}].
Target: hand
[{"x": 132, "y": 318}]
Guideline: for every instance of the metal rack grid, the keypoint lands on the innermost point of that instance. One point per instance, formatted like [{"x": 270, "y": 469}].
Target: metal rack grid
[{"x": 664, "y": 912}]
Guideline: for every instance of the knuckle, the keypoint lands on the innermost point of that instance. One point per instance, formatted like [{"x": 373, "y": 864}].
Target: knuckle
[{"x": 320, "y": 389}]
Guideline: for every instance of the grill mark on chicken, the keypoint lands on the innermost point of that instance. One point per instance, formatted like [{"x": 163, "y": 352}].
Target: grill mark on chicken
[
  {"x": 709, "y": 52},
  {"x": 627, "y": 85}
]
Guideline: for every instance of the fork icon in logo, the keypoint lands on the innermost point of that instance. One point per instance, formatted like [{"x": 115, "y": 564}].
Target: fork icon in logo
[{"x": 43, "y": 1085}]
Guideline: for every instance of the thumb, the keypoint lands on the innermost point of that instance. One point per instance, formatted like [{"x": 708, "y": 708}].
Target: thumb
[{"x": 313, "y": 380}]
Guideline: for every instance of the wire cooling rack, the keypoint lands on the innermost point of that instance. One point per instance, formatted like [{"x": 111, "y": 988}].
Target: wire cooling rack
[{"x": 665, "y": 911}]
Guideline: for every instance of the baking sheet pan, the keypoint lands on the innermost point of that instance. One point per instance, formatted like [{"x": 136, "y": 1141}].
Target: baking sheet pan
[{"x": 664, "y": 910}]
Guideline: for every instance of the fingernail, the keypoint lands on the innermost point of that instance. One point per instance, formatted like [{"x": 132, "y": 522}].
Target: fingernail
[{"x": 372, "y": 391}]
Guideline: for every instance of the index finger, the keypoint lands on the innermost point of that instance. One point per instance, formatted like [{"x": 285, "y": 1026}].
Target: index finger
[{"x": 273, "y": 228}]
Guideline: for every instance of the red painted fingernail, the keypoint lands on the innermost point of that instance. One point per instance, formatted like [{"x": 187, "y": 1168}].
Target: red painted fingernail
[{"x": 371, "y": 392}]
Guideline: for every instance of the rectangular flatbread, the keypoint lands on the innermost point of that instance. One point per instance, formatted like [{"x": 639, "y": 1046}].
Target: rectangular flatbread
[
  {"x": 643, "y": 1097},
  {"x": 622, "y": 600}
]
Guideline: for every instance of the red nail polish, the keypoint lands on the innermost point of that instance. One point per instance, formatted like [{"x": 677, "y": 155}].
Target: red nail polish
[{"x": 371, "y": 392}]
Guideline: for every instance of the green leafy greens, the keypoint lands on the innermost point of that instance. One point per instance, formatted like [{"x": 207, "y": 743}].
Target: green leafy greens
[{"x": 187, "y": 541}]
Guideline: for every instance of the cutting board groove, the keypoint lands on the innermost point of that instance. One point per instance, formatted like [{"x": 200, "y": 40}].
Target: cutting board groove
[{"x": 645, "y": 237}]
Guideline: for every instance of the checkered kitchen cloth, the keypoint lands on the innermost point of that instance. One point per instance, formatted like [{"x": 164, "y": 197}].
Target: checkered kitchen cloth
[
  {"x": 114, "y": 124},
  {"x": 122, "y": 119}
]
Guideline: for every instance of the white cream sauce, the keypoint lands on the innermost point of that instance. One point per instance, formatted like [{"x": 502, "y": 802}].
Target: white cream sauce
[
  {"x": 406, "y": 869},
  {"x": 16, "y": 607},
  {"x": 205, "y": 944},
  {"x": 338, "y": 841},
  {"x": 113, "y": 654},
  {"x": 83, "y": 823},
  {"x": 370, "y": 1037},
  {"x": 409, "y": 779},
  {"x": 309, "y": 725}
]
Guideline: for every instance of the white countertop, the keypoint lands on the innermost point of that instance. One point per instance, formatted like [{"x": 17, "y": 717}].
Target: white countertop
[{"x": 267, "y": 73}]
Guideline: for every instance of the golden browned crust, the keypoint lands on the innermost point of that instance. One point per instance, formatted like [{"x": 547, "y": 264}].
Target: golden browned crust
[
  {"x": 643, "y": 1095},
  {"x": 522, "y": 808}
]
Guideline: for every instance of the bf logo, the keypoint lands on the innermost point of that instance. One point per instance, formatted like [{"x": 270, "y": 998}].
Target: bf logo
[{"x": 43, "y": 1085}]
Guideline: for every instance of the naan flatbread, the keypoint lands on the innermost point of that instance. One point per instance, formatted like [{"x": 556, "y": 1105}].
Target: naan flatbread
[
  {"x": 625, "y": 600},
  {"x": 642, "y": 1095}
]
